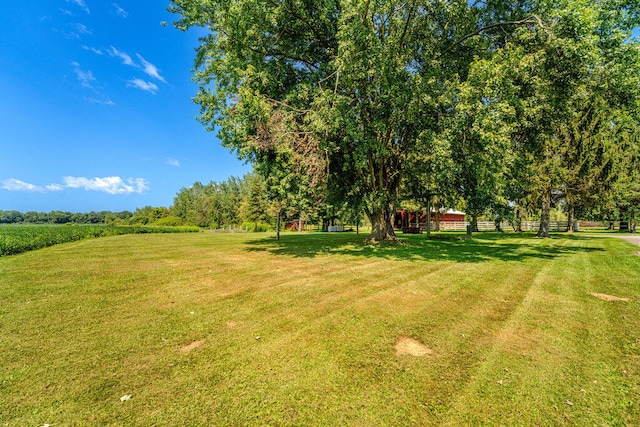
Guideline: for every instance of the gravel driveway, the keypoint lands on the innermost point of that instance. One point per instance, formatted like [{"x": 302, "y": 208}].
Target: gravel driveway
[{"x": 632, "y": 239}]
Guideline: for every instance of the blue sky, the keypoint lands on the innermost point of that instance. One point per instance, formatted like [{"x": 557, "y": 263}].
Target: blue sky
[{"x": 95, "y": 108}]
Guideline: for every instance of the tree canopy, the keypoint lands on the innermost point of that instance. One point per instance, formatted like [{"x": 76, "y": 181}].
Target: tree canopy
[{"x": 343, "y": 100}]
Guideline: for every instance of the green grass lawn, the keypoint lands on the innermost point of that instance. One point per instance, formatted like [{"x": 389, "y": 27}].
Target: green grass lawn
[{"x": 238, "y": 329}]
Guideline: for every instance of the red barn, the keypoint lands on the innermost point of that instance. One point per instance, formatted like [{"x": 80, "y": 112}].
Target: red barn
[
  {"x": 407, "y": 219},
  {"x": 449, "y": 215}
]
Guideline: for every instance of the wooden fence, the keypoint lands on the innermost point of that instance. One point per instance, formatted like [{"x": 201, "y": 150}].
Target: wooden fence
[
  {"x": 460, "y": 226},
  {"x": 491, "y": 226}
]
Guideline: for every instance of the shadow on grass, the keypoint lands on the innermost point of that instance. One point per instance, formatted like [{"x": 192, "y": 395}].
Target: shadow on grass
[{"x": 483, "y": 247}]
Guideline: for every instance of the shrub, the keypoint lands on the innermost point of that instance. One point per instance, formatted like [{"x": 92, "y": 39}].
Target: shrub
[
  {"x": 256, "y": 227},
  {"x": 169, "y": 221}
]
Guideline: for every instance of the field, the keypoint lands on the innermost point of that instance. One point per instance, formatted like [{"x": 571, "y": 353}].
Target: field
[
  {"x": 318, "y": 329},
  {"x": 16, "y": 239}
]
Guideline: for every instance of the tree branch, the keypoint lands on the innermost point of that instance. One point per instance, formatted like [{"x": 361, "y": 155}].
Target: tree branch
[
  {"x": 406, "y": 24},
  {"x": 320, "y": 37},
  {"x": 275, "y": 53},
  {"x": 534, "y": 19},
  {"x": 297, "y": 110}
]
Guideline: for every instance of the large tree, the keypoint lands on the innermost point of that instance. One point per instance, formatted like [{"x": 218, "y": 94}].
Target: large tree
[
  {"x": 357, "y": 85},
  {"x": 479, "y": 131},
  {"x": 624, "y": 197},
  {"x": 568, "y": 78}
]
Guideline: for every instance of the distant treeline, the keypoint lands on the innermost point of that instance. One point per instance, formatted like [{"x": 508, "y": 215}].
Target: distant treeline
[
  {"x": 59, "y": 217},
  {"x": 142, "y": 216},
  {"x": 234, "y": 202}
]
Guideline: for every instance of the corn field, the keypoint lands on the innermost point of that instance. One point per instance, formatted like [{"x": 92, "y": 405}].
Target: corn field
[{"x": 16, "y": 239}]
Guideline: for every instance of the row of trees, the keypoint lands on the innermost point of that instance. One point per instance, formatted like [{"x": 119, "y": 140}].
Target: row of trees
[
  {"x": 142, "y": 216},
  {"x": 222, "y": 204},
  {"x": 59, "y": 217},
  {"x": 503, "y": 106},
  {"x": 248, "y": 201}
]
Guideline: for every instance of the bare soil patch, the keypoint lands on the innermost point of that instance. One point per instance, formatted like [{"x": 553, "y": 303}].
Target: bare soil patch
[
  {"x": 407, "y": 345},
  {"x": 607, "y": 297},
  {"x": 520, "y": 340},
  {"x": 195, "y": 344}
]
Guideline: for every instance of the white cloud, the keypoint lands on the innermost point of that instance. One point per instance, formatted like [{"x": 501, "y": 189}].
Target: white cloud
[
  {"x": 143, "y": 85},
  {"x": 120, "y": 11},
  {"x": 85, "y": 78},
  {"x": 82, "y": 29},
  {"x": 54, "y": 187},
  {"x": 150, "y": 69},
  {"x": 13, "y": 184},
  {"x": 81, "y": 4},
  {"x": 105, "y": 100},
  {"x": 173, "y": 162},
  {"x": 76, "y": 31},
  {"x": 93, "y": 49},
  {"x": 126, "y": 59},
  {"x": 110, "y": 184}
]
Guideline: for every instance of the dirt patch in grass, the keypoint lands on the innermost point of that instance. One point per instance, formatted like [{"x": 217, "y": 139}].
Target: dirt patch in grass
[
  {"x": 406, "y": 345},
  {"x": 189, "y": 347},
  {"x": 520, "y": 340},
  {"x": 607, "y": 297}
]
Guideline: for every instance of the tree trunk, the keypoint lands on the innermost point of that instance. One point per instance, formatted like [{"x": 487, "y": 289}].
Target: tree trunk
[
  {"x": 278, "y": 225},
  {"x": 381, "y": 226},
  {"x": 545, "y": 215},
  {"x": 517, "y": 220},
  {"x": 624, "y": 222},
  {"x": 571, "y": 217},
  {"x": 428, "y": 217},
  {"x": 498, "y": 223},
  {"x": 474, "y": 223}
]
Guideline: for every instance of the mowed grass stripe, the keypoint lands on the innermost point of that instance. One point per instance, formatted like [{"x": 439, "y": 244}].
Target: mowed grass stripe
[
  {"x": 209, "y": 329},
  {"x": 554, "y": 361}
]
